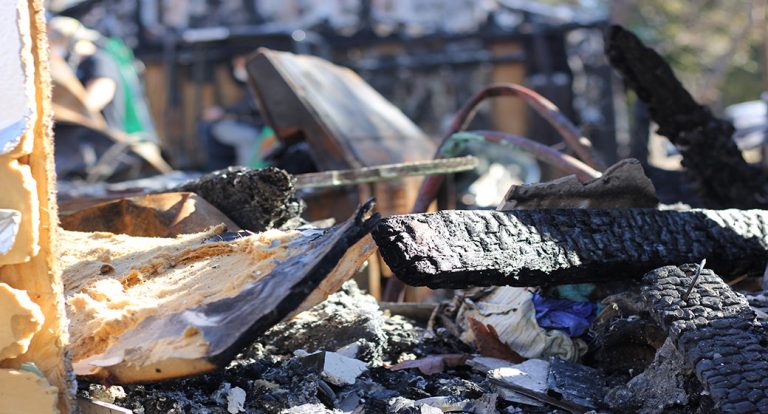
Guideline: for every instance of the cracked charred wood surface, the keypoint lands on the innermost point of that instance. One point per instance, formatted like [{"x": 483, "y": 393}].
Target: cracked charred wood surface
[
  {"x": 255, "y": 199},
  {"x": 710, "y": 156},
  {"x": 458, "y": 249},
  {"x": 717, "y": 333}
]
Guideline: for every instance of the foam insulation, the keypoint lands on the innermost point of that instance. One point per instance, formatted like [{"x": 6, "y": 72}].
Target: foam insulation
[
  {"x": 20, "y": 319},
  {"x": 23, "y": 392},
  {"x": 21, "y": 195},
  {"x": 17, "y": 69}
]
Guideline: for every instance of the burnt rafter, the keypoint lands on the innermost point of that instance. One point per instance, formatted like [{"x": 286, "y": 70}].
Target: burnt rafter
[{"x": 457, "y": 249}]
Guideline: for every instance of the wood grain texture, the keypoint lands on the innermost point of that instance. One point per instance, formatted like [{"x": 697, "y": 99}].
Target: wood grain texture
[{"x": 41, "y": 276}]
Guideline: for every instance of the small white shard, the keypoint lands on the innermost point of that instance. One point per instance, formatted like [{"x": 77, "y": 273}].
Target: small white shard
[
  {"x": 485, "y": 364},
  {"x": 428, "y": 409},
  {"x": 335, "y": 368},
  {"x": 341, "y": 370},
  {"x": 447, "y": 404},
  {"x": 350, "y": 350},
  {"x": 9, "y": 228},
  {"x": 236, "y": 400},
  {"x": 531, "y": 375},
  {"x": 514, "y": 397}
]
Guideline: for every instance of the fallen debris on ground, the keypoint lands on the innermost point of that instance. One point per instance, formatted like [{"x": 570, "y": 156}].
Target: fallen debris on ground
[
  {"x": 460, "y": 249},
  {"x": 146, "y": 309},
  {"x": 623, "y": 185}
]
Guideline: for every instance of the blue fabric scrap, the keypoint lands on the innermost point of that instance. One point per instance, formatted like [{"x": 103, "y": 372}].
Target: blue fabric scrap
[{"x": 565, "y": 315}]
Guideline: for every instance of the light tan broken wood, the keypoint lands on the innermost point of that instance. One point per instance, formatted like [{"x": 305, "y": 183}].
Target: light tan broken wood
[
  {"x": 623, "y": 185},
  {"x": 20, "y": 319},
  {"x": 23, "y": 392},
  {"x": 23, "y": 198},
  {"x": 26, "y": 166},
  {"x": 147, "y": 309}
]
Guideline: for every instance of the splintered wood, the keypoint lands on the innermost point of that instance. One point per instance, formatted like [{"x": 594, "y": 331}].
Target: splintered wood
[
  {"x": 146, "y": 309},
  {"x": 35, "y": 376}
]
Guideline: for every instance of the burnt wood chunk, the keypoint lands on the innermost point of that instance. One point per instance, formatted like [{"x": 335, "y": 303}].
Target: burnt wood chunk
[
  {"x": 717, "y": 333},
  {"x": 458, "y": 249},
  {"x": 710, "y": 156},
  {"x": 254, "y": 199}
]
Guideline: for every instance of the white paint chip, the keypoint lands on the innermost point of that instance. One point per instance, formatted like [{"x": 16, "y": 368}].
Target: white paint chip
[
  {"x": 9, "y": 228},
  {"x": 341, "y": 370},
  {"x": 236, "y": 400}
]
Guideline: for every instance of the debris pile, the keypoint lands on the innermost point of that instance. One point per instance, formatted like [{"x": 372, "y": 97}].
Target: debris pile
[{"x": 576, "y": 295}]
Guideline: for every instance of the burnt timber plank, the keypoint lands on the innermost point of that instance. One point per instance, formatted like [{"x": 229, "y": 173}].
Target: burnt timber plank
[
  {"x": 457, "y": 249},
  {"x": 712, "y": 160},
  {"x": 717, "y": 333}
]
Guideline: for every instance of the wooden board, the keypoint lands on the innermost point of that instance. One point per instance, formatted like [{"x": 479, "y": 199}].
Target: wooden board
[
  {"x": 153, "y": 309},
  {"x": 40, "y": 276},
  {"x": 345, "y": 121}
]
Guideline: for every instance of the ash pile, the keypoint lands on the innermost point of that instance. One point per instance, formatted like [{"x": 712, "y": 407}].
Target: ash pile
[{"x": 582, "y": 294}]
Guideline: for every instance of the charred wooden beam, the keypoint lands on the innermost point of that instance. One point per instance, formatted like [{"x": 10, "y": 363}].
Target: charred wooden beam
[
  {"x": 717, "y": 333},
  {"x": 457, "y": 249},
  {"x": 713, "y": 162}
]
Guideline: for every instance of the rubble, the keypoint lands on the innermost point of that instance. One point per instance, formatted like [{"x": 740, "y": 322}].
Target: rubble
[
  {"x": 459, "y": 249},
  {"x": 664, "y": 385},
  {"x": 622, "y": 185},
  {"x": 717, "y": 334},
  {"x": 275, "y": 380},
  {"x": 142, "y": 309},
  {"x": 255, "y": 200},
  {"x": 348, "y": 322},
  {"x": 333, "y": 367},
  {"x": 217, "y": 297}
]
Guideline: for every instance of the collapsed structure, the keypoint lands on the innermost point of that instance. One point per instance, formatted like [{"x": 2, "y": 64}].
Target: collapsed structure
[{"x": 188, "y": 315}]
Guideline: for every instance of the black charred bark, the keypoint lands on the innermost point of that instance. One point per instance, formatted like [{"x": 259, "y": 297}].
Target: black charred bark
[
  {"x": 458, "y": 249},
  {"x": 710, "y": 156},
  {"x": 717, "y": 333},
  {"x": 255, "y": 200}
]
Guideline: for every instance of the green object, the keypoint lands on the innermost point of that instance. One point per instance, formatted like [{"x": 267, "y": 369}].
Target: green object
[
  {"x": 137, "y": 119},
  {"x": 257, "y": 158},
  {"x": 31, "y": 367},
  {"x": 578, "y": 292},
  {"x": 457, "y": 143}
]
